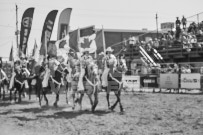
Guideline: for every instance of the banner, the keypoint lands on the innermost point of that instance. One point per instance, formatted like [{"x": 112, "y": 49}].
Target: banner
[
  {"x": 63, "y": 24},
  {"x": 47, "y": 30},
  {"x": 169, "y": 81},
  {"x": 26, "y": 25},
  {"x": 190, "y": 81},
  {"x": 148, "y": 81},
  {"x": 133, "y": 82}
]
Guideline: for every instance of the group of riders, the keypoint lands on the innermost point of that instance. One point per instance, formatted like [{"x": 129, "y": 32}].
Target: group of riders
[{"x": 79, "y": 75}]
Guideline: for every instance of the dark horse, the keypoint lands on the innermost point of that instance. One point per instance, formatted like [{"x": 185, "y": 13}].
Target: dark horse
[
  {"x": 17, "y": 81},
  {"x": 92, "y": 85},
  {"x": 56, "y": 80},
  {"x": 115, "y": 84}
]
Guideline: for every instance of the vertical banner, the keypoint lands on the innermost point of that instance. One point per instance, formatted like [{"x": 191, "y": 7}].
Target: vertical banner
[
  {"x": 190, "y": 81},
  {"x": 26, "y": 25},
  {"x": 63, "y": 24},
  {"x": 169, "y": 81},
  {"x": 47, "y": 30}
]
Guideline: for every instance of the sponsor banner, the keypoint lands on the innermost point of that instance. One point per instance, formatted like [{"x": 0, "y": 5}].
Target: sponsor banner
[
  {"x": 132, "y": 82},
  {"x": 169, "y": 81},
  {"x": 26, "y": 25},
  {"x": 190, "y": 81},
  {"x": 147, "y": 81},
  {"x": 47, "y": 31},
  {"x": 63, "y": 23}
]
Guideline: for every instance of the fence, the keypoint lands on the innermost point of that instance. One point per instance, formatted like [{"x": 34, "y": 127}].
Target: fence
[{"x": 191, "y": 79}]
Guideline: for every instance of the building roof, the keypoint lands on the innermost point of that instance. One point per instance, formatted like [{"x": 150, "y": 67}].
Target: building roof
[{"x": 128, "y": 30}]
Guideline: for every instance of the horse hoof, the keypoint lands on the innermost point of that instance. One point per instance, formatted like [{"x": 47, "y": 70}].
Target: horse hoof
[
  {"x": 55, "y": 105},
  {"x": 111, "y": 108},
  {"x": 122, "y": 111}
]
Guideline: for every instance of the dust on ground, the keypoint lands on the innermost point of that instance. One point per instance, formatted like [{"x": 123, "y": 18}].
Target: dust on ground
[{"x": 145, "y": 114}]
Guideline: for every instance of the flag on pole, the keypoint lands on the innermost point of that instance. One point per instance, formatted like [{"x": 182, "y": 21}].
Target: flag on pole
[
  {"x": 63, "y": 23},
  {"x": 26, "y": 25},
  {"x": 47, "y": 31}
]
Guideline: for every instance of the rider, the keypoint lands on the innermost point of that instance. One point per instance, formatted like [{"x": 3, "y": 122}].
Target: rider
[
  {"x": 110, "y": 62},
  {"x": 84, "y": 61}
]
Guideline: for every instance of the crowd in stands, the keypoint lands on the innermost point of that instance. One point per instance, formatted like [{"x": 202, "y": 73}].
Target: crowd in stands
[{"x": 183, "y": 37}]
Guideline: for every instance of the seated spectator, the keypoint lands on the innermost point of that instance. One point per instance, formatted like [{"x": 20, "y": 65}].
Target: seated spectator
[
  {"x": 156, "y": 43},
  {"x": 187, "y": 69}
]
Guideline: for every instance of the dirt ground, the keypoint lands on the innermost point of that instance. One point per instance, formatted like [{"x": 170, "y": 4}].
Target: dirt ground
[{"x": 145, "y": 114}]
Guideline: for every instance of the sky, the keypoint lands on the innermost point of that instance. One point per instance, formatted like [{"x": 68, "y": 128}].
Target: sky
[{"x": 111, "y": 14}]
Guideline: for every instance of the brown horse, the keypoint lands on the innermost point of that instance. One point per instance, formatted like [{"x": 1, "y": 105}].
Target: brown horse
[
  {"x": 92, "y": 85},
  {"x": 115, "y": 84}
]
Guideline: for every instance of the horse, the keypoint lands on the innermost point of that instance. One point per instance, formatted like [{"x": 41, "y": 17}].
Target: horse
[
  {"x": 114, "y": 78},
  {"x": 19, "y": 84},
  {"x": 91, "y": 82}
]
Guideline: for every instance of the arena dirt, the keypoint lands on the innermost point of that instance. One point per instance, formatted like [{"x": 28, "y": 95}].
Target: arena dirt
[{"x": 145, "y": 114}]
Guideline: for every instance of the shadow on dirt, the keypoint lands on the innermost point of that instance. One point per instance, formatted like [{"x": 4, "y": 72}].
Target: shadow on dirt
[
  {"x": 23, "y": 118},
  {"x": 74, "y": 114},
  {"x": 8, "y": 103}
]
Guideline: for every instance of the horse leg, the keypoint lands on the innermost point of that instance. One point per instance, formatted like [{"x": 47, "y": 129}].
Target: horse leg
[
  {"x": 45, "y": 97},
  {"x": 119, "y": 99},
  {"x": 10, "y": 94},
  {"x": 107, "y": 97},
  {"x": 4, "y": 93},
  {"x": 95, "y": 101},
  {"x": 0, "y": 91},
  {"x": 15, "y": 92},
  {"x": 80, "y": 100},
  {"x": 19, "y": 94},
  {"x": 91, "y": 101},
  {"x": 57, "y": 99},
  {"x": 74, "y": 103},
  {"x": 114, "y": 105}
]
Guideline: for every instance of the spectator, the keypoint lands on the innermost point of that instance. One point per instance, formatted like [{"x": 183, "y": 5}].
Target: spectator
[
  {"x": 177, "y": 23},
  {"x": 156, "y": 43},
  {"x": 184, "y": 22}
]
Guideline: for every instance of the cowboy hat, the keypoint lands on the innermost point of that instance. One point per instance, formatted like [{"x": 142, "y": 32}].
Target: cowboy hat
[{"x": 109, "y": 49}]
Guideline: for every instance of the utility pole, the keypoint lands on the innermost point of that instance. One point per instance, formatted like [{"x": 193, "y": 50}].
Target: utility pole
[
  {"x": 17, "y": 31},
  {"x": 157, "y": 32}
]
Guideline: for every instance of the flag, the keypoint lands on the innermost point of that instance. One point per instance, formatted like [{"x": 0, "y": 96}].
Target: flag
[
  {"x": 47, "y": 31},
  {"x": 100, "y": 41},
  {"x": 11, "y": 54},
  {"x": 63, "y": 23},
  {"x": 26, "y": 25},
  {"x": 74, "y": 40}
]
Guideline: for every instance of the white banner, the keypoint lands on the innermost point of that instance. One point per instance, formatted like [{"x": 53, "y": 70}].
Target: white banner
[
  {"x": 169, "y": 81},
  {"x": 190, "y": 81},
  {"x": 132, "y": 82}
]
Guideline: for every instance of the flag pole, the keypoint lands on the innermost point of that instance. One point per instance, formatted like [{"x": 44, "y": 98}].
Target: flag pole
[
  {"x": 45, "y": 42},
  {"x": 103, "y": 38}
]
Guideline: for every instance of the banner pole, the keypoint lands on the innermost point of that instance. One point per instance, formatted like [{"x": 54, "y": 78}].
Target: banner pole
[{"x": 103, "y": 38}]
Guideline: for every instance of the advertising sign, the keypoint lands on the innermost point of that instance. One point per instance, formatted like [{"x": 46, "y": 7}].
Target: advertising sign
[
  {"x": 169, "y": 81},
  {"x": 149, "y": 82},
  {"x": 190, "y": 81},
  {"x": 133, "y": 82}
]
